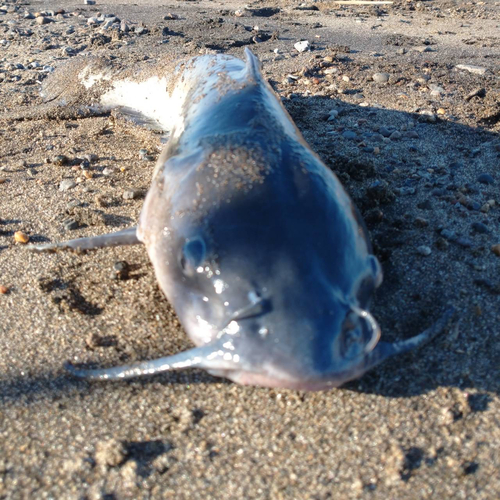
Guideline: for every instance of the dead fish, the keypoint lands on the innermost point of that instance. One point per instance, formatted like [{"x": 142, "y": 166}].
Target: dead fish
[{"x": 253, "y": 240}]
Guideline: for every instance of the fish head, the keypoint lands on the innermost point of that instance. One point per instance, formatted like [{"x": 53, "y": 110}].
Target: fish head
[{"x": 278, "y": 275}]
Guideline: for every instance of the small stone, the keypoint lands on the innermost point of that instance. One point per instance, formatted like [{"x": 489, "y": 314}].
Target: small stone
[
  {"x": 121, "y": 270},
  {"x": 3, "y": 290},
  {"x": 333, "y": 115},
  {"x": 496, "y": 249},
  {"x": 89, "y": 2},
  {"x": 88, "y": 174},
  {"x": 67, "y": 184},
  {"x": 412, "y": 134},
  {"x": 441, "y": 111},
  {"x": 427, "y": 116},
  {"x": 21, "y": 237},
  {"x": 110, "y": 453},
  {"x": 145, "y": 156},
  {"x": 91, "y": 157},
  {"x": 479, "y": 227},
  {"x": 380, "y": 191},
  {"x": 471, "y": 68},
  {"x": 384, "y": 131},
  {"x": 108, "y": 171},
  {"x": 464, "y": 242},
  {"x": 72, "y": 204},
  {"x": 70, "y": 224},
  {"x": 350, "y": 135},
  {"x": 302, "y": 46},
  {"x": 442, "y": 244},
  {"x": 170, "y": 16},
  {"x": 395, "y": 136},
  {"x": 132, "y": 194},
  {"x": 421, "y": 222},
  {"x": 60, "y": 160},
  {"x": 485, "y": 179},
  {"x": 42, "y": 20},
  {"x": 423, "y": 48},
  {"x": 448, "y": 234},
  {"x": 381, "y": 77},
  {"x": 424, "y": 250},
  {"x": 478, "y": 92}
]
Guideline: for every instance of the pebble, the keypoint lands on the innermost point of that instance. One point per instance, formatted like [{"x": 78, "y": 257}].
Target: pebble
[
  {"x": 333, "y": 115},
  {"x": 464, "y": 242},
  {"x": 60, "y": 160},
  {"x": 73, "y": 204},
  {"x": 424, "y": 250},
  {"x": 428, "y": 116},
  {"x": 449, "y": 234},
  {"x": 479, "y": 227},
  {"x": 302, "y": 46},
  {"x": 144, "y": 155},
  {"x": 108, "y": 171},
  {"x": 89, "y": 2},
  {"x": 21, "y": 237},
  {"x": 471, "y": 68},
  {"x": 436, "y": 90},
  {"x": 349, "y": 134},
  {"x": 496, "y": 249},
  {"x": 121, "y": 270},
  {"x": 395, "y": 136},
  {"x": 3, "y": 290},
  {"x": 379, "y": 191},
  {"x": 70, "y": 224},
  {"x": 67, "y": 184},
  {"x": 42, "y": 20},
  {"x": 131, "y": 194},
  {"x": 423, "y": 48},
  {"x": 421, "y": 222},
  {"x": 485, "y": 179},
  {"x": 412, "y": 134},
  {"x": 479, "y": 92},
  {"x": 381, "y": 77}
]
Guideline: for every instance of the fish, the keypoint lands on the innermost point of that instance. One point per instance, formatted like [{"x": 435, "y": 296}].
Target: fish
[{"x": 254, "y": 241}]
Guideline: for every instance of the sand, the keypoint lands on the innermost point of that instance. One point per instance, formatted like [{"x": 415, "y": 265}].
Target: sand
[{"x": 424, "y": 425}]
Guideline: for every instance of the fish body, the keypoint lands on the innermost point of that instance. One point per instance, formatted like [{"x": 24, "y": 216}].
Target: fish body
[{"x": 254, "y": 241}]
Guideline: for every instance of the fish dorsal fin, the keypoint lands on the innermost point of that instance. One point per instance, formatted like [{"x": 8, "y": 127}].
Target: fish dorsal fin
[{"x": 252, "y": 66}]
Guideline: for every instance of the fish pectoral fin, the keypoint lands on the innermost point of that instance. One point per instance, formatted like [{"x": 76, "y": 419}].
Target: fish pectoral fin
[
  {"x": 210, "y": 357},
  {"x": 384, "y": 350},
  {"x": 125, "y": 237}
]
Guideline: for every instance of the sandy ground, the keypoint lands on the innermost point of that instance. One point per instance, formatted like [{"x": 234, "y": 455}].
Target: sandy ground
[{"x": 420, "y": 156}]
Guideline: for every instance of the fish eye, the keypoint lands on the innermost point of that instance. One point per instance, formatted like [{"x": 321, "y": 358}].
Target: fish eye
[
  {"x": 192, "y": 255},
  {"x": 360, "y": 334}
]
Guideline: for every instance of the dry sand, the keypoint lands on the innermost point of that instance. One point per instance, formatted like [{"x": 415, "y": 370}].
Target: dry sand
[{"x": 424, "y": 425}]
